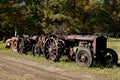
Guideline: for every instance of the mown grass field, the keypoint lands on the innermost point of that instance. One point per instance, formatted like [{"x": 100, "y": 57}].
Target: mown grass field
[{"x": 98, "y": 71}]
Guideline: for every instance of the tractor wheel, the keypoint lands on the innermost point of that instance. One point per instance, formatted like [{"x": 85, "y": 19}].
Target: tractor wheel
[
  {"x": 111, "y": 57},
  {"x": 51, "y": 49},
  {"x": 36, "y": 50},
  {"x": 21, "y": 46},
  {"x": 14, "y": 45},
  {"x": 84, "y": 57}
]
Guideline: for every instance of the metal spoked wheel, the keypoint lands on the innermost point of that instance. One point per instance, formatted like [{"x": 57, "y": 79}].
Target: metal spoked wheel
[
  {"x": 51, "y": 49},
  {"x": 84, "y": 57},
  {"x": 20, "y": 46},
  {"x": 36, "y": 50}
]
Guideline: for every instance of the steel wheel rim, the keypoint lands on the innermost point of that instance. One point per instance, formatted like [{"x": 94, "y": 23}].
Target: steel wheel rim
[
  {"x": 83, "y": 58},
  {"x": 51, "y": 49}
]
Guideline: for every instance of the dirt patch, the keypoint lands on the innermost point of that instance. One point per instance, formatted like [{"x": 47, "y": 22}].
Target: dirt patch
[{"x": 17, "y": 69}]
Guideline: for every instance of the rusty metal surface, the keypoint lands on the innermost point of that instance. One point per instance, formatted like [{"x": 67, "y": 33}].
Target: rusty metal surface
[
  {"x": 77, "y": 37},
  {"x": 81, "y": 37},
  {"x": 94, "y": 39}
]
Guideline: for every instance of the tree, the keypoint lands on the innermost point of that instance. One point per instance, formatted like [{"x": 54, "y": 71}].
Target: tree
[
  {"x": 113, "y": 7},
  {"x": 33, "y": 13},
  {"x": 6, "y": 10},
  {"x": 59, "y": 16}
]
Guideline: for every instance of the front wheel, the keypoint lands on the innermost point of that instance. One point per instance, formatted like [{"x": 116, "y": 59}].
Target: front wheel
[
  {"x": 84, "y": 57},
  {"x": 111, "y": 57}
]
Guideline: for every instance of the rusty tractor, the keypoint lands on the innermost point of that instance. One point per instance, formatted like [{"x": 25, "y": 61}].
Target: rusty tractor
[
  {"x": 84, "y": 49},
  {"x": 25, "y": 43},
  {"x": 11, "y": 43},
  {"x": 37, "y": 48}
]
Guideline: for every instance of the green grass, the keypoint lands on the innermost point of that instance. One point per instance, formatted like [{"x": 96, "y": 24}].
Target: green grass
[{"x": 97, "y": 71}]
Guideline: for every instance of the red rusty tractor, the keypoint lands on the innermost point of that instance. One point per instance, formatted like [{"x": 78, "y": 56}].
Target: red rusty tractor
[{"x": 84, "y": 49}]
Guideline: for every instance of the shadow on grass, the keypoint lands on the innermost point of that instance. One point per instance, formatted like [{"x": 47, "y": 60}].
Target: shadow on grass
[
  {"x": 118, "y": 65},
  {"x": 94, "y": 65},
  {"x": 102, "y": 66}
]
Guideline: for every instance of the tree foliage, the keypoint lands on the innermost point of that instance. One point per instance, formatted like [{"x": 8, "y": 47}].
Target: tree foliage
[{"x": 59, "y": 16}]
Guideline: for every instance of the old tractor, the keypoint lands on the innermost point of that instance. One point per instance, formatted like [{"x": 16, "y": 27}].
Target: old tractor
[
  {"x": 84, "y": 49},
  {"x": 11, "y": 43},
  {"x": 25, "y": 43},
  {"x": 37, "y": 48}
]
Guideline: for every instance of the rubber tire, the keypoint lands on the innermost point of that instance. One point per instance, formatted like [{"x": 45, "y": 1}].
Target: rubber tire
[
  {"x": 89, "y": 57},
  {"x": 114, "y": 55}
]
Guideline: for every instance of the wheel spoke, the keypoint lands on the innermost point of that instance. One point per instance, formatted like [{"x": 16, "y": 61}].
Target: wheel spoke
[
  {"x": 54, "y": 52},
  {"x": 47, "y": 46},
  {"x": 46, "y": 51}
]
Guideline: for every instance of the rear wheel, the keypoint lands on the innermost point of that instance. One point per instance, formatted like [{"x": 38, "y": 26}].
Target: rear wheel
[
  {"x": 51, "y": 49},
  {"x": 36, "y": 50},
  {"x": 21, "y": 46},
  {"x": 84, "y": 57}
]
